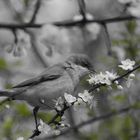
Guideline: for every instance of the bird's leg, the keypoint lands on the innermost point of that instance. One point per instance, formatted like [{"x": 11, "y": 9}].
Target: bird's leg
[
  {"x": 36, "y": 131},
  {"x": 35, "y": 110}
]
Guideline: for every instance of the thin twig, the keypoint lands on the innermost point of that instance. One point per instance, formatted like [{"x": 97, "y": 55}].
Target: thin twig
[
  {"x": 37, "y": 7},
  {"x": 82, "y": 8},
  {"x": 59, "y": 114},
  {"x": 36, "y": 50},
  {"x": 107, "y": 40}
]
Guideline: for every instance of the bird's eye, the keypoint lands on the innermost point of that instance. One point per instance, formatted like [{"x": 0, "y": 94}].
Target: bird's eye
[{"x": 68, "y": 66}]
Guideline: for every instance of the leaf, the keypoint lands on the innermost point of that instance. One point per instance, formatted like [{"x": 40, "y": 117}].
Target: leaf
[
  {"x": 8, "y": 86},
  {"x": 22, "y": 109},
  {"x": 136, "y": 105},
  {"x": 120, "y": 98},
  {"x": 131, "y": 26},
  {"x": 122, "y": 42},
  {"x": 92, "y": 136},
  {"x": 3, "y": 64},
  {"x": 7, "y": 126},
  {"x": 46, "y": 117}
]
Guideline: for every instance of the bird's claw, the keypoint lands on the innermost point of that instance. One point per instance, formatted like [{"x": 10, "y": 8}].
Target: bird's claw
[{"x": 36, "y": 132}]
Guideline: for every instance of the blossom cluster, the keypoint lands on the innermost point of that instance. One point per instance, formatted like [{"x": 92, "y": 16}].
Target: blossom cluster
[
  {"x": 84, "y": 98},
  {"x": 127, "y": 64},
  {"x": 102, "y": 78},
  {"x": 108, "y": 78}
]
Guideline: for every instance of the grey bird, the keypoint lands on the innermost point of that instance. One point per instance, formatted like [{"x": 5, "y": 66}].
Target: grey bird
[{"x": 42, "y": 90}]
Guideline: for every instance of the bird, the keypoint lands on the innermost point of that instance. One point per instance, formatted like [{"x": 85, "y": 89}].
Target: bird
[{"x": 41, "y": 91}]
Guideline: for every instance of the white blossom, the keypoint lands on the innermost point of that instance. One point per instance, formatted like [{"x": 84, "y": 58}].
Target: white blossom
[
  {"x": 42, "y": 101},
  {"x": 127, "y": 64},
  {"x": 63, "y": 118},
  {"x": 93, "y": 29},
  {"x": 64, "y": 125},
  {"x": 7, "y": 106},
  {"x": 80, "y": 17},
  {"x": 69, "y": 98},
  {"x": 100, "y": 78},
  {"x": 86, "y": 97},
  {"x": 20, "y": 138},
  {"x": 111, "y": 75},
  {"x": 43, "y": 127},
  {"x": 132, "y": 75},
  {"x": 135, "y": 10},
  {"x": 79, "y": 104},
  {"x": 116, "y": 82},
  {"x": 57, "y": 132},
  {"x": 130, "y": 80},
  {"x": 119, "y": 87},
  {"x": 59, "y": 104}
]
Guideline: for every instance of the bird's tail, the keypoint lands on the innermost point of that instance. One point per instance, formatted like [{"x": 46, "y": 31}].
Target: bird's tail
[{"x": 7, "y": 93}]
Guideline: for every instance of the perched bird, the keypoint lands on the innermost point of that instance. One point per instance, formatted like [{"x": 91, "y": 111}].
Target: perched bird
[{"x": 42, "y": 90}]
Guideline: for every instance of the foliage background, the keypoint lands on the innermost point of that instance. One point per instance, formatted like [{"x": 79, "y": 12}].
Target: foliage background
[{"x": 17, "y": 120}]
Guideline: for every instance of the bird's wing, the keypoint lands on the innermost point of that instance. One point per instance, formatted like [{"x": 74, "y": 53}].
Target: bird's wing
[{"x": 49, "y": 74}]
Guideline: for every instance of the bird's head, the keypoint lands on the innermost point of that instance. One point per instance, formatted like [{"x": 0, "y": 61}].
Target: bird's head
[
  {"x": 79, "y": 66},
  {"x": 81, "y": 60}
]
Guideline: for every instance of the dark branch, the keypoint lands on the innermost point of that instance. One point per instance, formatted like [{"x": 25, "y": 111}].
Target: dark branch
[{"x": 67, "y": 23}]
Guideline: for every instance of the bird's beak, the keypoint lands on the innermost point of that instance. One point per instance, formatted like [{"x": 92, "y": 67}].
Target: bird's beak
[
  {"x": 68, "y": 65},
  {"x": 92, "y": 70}
]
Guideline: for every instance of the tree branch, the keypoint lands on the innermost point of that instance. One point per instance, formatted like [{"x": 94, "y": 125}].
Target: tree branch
[{"x": 67, "y": 23}]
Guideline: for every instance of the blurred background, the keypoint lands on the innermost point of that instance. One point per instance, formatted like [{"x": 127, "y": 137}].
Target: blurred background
[{"x": 26, "y": 52}]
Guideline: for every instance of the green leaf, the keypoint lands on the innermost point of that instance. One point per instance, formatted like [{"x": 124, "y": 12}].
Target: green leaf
[
  {"x": 131, "y": 26},
  {"x": 119, "y": 98},
  {"x": 122, "y": 42},
  {"x": 7, "y": 126},
  {"x": 8, "y": 86},
  {"x": 136, "y": 105},
  {"x": 46, "y": 117},
  {"x": 22, "y": 110},
  {"x": 92, "y": 136},
  {"x": 3, "y": 64}
]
